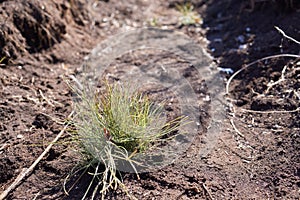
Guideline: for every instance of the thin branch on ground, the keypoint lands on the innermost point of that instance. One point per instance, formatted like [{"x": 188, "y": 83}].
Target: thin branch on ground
[
  {"x": 49, "y": 101},
  {"x": 55, "y": 119},
  {"x": 286, "y": 36},
  {"x": 34, "y": 100},
  {"x": 207, "y": 191},
  {"x": 36, "y": 195},
  {"x": 4, "y": 146},
  {"x": 46, "y": 99},
  {"x": 26, "y": 171}
]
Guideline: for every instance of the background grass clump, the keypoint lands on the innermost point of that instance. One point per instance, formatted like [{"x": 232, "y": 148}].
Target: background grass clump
[
  {"x": 114, "y": 126},
  {"x": 188, "y": 15}
]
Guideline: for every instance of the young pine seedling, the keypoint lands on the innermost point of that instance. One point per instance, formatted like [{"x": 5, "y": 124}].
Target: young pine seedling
[{"x": 113, "y": 128}]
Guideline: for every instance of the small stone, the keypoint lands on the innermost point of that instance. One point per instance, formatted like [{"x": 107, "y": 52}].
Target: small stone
[
  {"x": 241, "y": 39},
  {"x": 226, "y": 70},
  {"x": 19, "y": 136},
  {"x": 243, "y": 46},
  {"x": 206, "y": 98},
  {"x": 218, "y": 40}
]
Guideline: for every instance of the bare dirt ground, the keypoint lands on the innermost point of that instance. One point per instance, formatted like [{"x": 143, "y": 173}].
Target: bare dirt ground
[{"x": 257, "y": 153}]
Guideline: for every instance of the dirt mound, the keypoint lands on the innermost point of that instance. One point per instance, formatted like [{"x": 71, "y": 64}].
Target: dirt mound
[{"x": 29, "y": 27}]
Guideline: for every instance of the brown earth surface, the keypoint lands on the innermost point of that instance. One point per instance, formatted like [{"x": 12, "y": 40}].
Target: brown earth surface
[{"x": 256, "y": 154}]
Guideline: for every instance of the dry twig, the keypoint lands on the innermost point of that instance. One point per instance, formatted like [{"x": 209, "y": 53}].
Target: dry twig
[
  {"x": 207, "y": 191},
  {"x": 46, "y": 99},
  {"x": 286, "y": 36},
  {"x": 4, "y": 146},
  {"x": 26, "y": 171}
]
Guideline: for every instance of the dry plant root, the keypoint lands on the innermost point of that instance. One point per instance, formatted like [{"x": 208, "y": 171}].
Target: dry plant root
[
  {"x": 286, "y": 36},
  {"x": 253, "y": 63},
  {"x": 270, "y": 85}
]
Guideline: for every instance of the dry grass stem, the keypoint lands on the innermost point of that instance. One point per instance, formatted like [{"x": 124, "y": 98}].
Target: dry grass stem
[
  {"x": 235, "y": 128},
  {"x": 286, "y": 36},
  {"x": 26, "y": 171}
]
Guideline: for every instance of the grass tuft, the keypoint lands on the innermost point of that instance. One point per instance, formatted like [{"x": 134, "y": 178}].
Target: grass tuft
[
  {"x": 113, "y": 128},
  {"x": 188, "y": 15}
]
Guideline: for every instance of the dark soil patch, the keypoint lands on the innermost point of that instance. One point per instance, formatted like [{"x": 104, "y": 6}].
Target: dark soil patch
[{"x": 255, "y": 158}]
